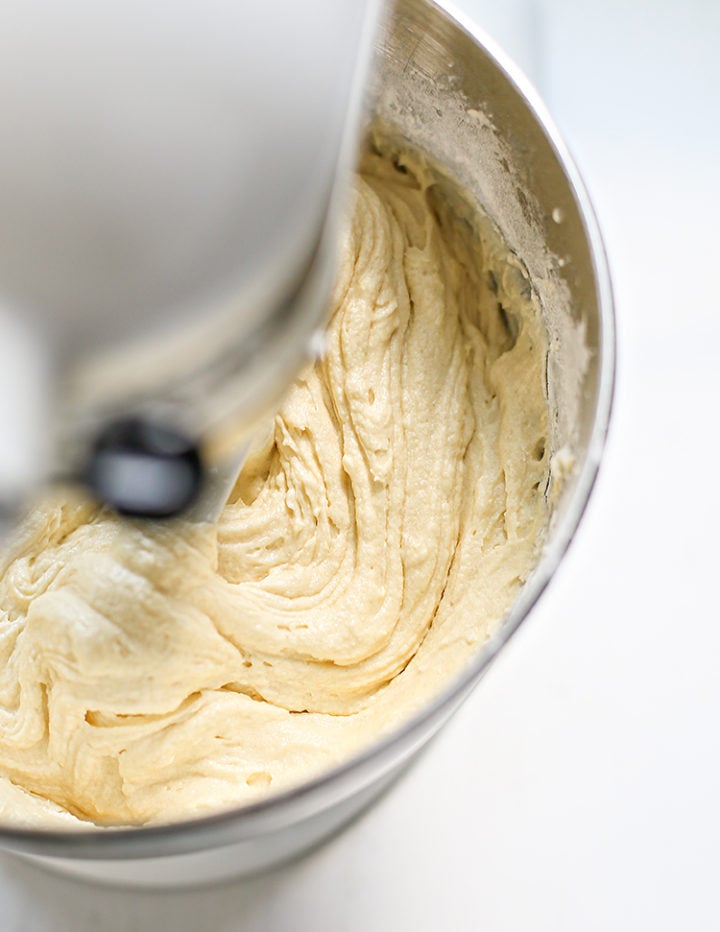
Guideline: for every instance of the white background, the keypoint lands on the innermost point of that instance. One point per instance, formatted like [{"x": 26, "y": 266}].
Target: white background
[{"x": 579, "y": 788}]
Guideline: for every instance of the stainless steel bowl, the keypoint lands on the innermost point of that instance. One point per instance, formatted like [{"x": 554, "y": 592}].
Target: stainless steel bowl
[{"x": 444, "y": 87}]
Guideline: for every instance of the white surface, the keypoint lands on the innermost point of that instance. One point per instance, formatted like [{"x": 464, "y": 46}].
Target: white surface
[{"x": 579, "y": 788}]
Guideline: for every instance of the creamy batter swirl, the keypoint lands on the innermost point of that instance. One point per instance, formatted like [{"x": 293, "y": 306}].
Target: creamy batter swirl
[{"x": 370, "y": 547}]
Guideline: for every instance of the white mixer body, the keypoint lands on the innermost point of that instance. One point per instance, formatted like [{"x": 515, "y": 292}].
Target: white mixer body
[{"x": 166, "y": 176}]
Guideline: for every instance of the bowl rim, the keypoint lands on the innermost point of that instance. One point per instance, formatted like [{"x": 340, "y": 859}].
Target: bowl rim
[{"x": 249, "y": 821}]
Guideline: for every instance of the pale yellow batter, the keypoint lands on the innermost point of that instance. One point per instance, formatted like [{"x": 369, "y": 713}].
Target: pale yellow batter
[{"x": 152, "y": 673}]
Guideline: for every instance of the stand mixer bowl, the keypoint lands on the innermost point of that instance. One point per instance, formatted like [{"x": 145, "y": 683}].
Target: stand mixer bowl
[{"x": 443, "y": 87}]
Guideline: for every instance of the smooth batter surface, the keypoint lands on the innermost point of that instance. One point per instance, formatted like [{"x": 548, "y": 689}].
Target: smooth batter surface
[{"x": 369, "y": 549}]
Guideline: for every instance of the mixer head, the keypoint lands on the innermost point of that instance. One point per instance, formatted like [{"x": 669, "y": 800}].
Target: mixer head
[{"x": 169, "y": 209}]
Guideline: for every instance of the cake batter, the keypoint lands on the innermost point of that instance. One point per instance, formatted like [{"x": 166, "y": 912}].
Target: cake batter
[{"x": 373, "y": 542}]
